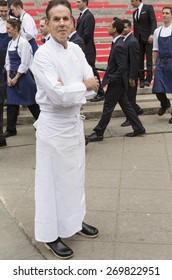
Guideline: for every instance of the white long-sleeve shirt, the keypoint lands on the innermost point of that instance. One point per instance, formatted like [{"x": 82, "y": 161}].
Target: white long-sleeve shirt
[
  {"x": 24, "y": 50},
  {"x": 165, "y": 31},
  {"x": 59, "y": 75},
  {"x": 28, "y": 27}
]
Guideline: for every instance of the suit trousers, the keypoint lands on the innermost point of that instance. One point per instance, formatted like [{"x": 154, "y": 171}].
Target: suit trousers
[
  {"x": 1, "y": 118},
  {"x": 165, "y": 102},
  {"x": 116, "y": 93},
  {"x": 13, "y": 112},
  {"x": 131, "y": 93},
  {"x": 145, "y": 49}
]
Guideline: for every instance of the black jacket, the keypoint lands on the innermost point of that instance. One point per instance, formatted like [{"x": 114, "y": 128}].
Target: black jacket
[
  {"x": 76, "y": 38},
  {"x": 146, "y": 24},
  {"x": 117, "y": 64},
  {"x": 133, "y": 57},
  {"x": 85, "y": 28}
]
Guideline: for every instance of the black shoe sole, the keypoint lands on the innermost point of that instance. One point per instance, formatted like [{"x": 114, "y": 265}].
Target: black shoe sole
[
  {"x": 87, "y": 235},
  {"x": 3, "y": 144},
  {"x": 59, "y": 256}
]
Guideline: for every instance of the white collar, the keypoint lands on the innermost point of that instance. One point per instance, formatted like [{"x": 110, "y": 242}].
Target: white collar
[{"x": 114, "y": 39}]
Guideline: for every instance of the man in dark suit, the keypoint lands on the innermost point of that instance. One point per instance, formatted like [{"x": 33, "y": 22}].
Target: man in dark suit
[
  {"x": 116, "y": 79},
  {"x": 85, "y": 28},
  {"x": 144, "y": 20},
  {"x": 75, "y": 37},
  {"x": 44, "y": 30},
  {"x": 132, "y": 67},
  {"x": 2, "y": 97}
]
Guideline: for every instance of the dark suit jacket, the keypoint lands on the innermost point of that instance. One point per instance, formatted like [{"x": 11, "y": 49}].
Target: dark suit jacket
[
  {"x": 116, "y": 71},
  {"x": 85, "y": 28},
  {"x": 2, "y": 86},
  {"x": 146, "y": 24},
  {"x": 133, "y": 57},
  {"x": 75, "y": 38}
]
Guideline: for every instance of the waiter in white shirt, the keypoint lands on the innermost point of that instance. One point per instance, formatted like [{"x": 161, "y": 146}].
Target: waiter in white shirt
[
  {"x": 28, "y": 26},
  {"x": 21, "y": 87},
  {"x": 4, "y": 38},
  {"x": 64, "y": 79},
  {"x": 162, "y": 53}
]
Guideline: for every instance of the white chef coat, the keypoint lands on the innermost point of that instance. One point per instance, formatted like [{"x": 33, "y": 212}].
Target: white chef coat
[
  {"x": 28, "y": 26},
  {"x": 60, "y": 143},
  {"x": 24, "y": 51}
]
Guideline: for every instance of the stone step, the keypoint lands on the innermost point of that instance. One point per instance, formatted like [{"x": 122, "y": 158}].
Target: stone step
[{"x": 93, "y": 110}]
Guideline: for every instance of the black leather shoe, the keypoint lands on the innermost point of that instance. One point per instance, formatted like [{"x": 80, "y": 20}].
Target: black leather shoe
[
  {"x": 9, "y": 133},
  {"x": 93, "y": 137},
  {"x": 97, "y": 98},
  {"x": 126, "y": 123},
  {"x": 2, "y": 141},
  {"x": 142, "y": 84},
  {"x": 136, "y": 133},
  {"x": 147, "y": 84},
  {"x": 140, "y": 112},
  {"x": 88, "y": 231},
  {"x": 170, "y": 120},
  {"x": 59, "y": 249},
  {"x": 162, "y": 110}
]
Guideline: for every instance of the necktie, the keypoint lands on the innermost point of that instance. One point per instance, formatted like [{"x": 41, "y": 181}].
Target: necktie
[
  {"x": 80, "y": 15},
  {"x": 43, "y": 40},
  {"x": 137, "y": 14}
]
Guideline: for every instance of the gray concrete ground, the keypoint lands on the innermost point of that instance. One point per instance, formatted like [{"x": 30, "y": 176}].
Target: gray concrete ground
[{"x": 128, "y": 194}]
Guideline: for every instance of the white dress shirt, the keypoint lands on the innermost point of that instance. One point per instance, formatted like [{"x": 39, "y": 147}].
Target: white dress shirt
[{"x": 28, "y": 27}]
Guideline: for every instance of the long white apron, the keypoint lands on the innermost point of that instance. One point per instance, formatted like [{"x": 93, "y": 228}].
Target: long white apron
[{"x": 60, "y": 174}]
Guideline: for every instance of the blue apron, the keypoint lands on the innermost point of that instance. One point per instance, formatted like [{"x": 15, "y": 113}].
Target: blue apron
[
  {"x": 32, "y": 41},
  {"x": 163, "y": 70},
  {"x": 23, "y": 93}
]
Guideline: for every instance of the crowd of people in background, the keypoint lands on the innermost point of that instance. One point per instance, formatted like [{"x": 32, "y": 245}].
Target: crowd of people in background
[{"x": 147, "y": 47}]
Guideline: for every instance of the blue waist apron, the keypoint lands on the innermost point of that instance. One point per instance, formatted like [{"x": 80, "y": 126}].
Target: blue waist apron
[
  {"x": 4, "y": 40},
  {"x": 23, "y": 93},
  {"x": 163, "y": 70}
]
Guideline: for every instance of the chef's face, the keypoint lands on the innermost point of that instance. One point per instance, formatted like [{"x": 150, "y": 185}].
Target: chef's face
[
  {"x": 60, "y": 23},
  {"x": 167, "y": 16},
  {"x": 4, "y": 12}
]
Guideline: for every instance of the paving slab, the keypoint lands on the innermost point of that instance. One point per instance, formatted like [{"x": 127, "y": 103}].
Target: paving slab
[{"x": 128, "y": 194}]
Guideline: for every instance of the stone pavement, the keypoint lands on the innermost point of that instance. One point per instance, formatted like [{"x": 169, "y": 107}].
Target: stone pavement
[{"x": 128, "y": 194}]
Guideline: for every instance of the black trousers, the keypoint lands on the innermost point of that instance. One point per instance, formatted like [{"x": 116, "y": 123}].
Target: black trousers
[
  {"x": 117, "y": 94},
  {"x": 12, "y": 114},
  {"x": 1, "y": 118},
  {"x": 131, "y": 94},
  {"x": 145, "y": 49},
  {"x": 165, "y": 102}
]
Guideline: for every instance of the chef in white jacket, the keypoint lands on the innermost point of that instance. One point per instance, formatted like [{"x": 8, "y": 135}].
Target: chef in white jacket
[{"x": 64, "y": 81}]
